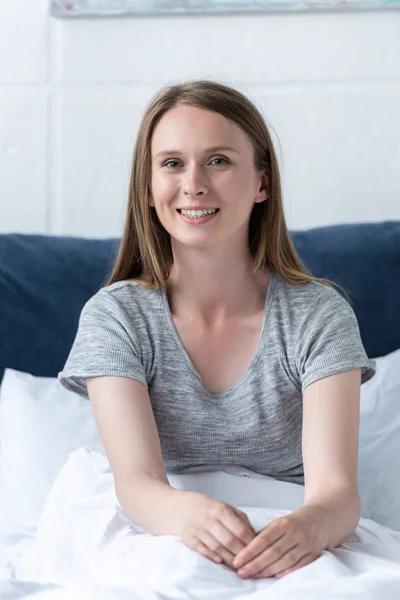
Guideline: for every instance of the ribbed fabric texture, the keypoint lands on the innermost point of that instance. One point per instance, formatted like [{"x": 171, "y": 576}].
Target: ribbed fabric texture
[{"x": 309, "y": 332}]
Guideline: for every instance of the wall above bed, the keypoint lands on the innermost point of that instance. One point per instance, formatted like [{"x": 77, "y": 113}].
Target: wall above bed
[{"x": 72, "y": 92}]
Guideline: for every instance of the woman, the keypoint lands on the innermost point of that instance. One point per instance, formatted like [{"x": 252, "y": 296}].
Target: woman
[{"x": 212, "y": 344}]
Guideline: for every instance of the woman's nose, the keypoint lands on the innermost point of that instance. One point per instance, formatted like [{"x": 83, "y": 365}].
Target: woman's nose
[{"x": 194, "y": 182}]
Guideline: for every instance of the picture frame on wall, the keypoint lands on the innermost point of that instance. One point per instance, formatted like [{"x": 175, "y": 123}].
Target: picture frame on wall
[{"x": 99, "y": 8}]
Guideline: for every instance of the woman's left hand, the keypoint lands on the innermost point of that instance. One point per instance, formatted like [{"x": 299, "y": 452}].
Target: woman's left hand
[{"x": 285, "y": 545}]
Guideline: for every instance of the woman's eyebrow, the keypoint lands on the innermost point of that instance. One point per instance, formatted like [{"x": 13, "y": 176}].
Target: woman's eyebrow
[{"x": 206, "y": 150}]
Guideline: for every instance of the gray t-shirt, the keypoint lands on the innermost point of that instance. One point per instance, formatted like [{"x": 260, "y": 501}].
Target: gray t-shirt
[{"x": 309, "y": 331}]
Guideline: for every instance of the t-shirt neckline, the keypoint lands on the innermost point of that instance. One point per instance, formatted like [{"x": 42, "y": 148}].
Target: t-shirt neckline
[{"x": 247, "y": 373}]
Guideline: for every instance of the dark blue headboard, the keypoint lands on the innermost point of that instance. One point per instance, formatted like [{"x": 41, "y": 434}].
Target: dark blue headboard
[{"x": 46, "y": 280}]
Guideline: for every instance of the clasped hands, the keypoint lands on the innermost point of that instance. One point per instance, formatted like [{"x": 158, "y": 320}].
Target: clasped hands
[
  {"x": 283, "y": 546},
  {"x": 223, "y": 533}
]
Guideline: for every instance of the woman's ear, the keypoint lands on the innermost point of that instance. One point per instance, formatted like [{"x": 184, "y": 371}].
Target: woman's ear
[
  {"x": 263, "y": 191},
  {"x": 150, "y": 198}
]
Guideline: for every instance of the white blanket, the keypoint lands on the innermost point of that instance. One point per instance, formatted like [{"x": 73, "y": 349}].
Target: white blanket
[{"x": 87, "y": 549}]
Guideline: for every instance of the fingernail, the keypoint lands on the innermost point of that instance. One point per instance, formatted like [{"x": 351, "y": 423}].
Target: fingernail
[{"x": 243, "y": 573}]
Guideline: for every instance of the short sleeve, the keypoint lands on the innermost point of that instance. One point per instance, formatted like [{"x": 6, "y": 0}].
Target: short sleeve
[
  {"x": 328, "y": 340},
  {"x": 105, "y": 344}
]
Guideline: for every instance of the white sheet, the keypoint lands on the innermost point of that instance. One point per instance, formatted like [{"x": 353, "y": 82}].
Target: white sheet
[{"x": 87, "y": 547}]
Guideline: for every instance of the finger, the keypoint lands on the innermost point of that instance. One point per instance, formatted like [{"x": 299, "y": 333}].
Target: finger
[
  {"x": 245, "y": 518},
  {"x": 272, "y": 562},
  {"x": 198, "y": 546},
  {"x": 270, "y": 572},
  {"x": 217, "y": 548},
  {"x": 236, "y": 525},
  {"x": 306, "y": 560},
  {"x": 259, "y": 544},
  {"x": 226, "y": 537}
]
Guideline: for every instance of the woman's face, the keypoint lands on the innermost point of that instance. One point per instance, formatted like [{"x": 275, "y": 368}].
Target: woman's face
[{"x": 201, "y": 160}]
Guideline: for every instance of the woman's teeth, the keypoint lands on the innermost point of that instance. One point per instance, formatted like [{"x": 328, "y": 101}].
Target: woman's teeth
[{"x": 196, "y": 214}]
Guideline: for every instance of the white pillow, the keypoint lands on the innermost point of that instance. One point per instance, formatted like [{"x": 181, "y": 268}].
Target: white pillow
[
  {"x": 379, "y": 446},
  {"x": 41, "y": 423}
]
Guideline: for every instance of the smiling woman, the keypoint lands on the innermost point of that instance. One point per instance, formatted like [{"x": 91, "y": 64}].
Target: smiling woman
[
  {"x": 212, "y": 344},
  {"x": 200, "y": 175}
]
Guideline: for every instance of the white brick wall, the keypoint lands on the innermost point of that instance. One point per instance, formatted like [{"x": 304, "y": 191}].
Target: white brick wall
[{"x": 72, "y": 94}]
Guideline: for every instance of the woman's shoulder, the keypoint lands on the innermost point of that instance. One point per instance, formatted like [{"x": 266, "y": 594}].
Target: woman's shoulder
[
  {"x": 310, "y": 294},
  {"x": 305, "y": 305},
  {"x": 132, "y": 286},
  {"x": 128, "y": 295}
]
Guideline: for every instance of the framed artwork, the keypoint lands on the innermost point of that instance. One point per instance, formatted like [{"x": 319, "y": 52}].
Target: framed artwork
[{"x": 98, "y": 8}]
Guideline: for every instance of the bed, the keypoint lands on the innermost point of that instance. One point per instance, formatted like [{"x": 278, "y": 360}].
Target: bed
[{"x": 63, "y": 533}]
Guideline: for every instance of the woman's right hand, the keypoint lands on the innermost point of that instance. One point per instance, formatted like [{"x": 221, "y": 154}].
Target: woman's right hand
[{"x": 214, "y": 528}]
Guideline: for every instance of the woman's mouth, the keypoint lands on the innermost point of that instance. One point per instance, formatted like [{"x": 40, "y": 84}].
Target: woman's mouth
[{"x": 197, "y": 219}]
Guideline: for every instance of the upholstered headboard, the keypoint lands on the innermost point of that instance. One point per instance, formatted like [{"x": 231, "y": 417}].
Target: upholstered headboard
[{"x": 46, "y": 280}]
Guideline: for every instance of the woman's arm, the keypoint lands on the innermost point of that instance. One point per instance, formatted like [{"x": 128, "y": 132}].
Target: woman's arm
[
  {"x": 127, "y": 427},
  {"x": 331, "y": 417},
  {"x": 331, "y": 504},
  {"x": 125, "y": 419}
]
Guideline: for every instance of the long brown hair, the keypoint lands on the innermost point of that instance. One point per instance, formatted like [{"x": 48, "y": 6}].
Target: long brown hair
[{"x": 145, "y": 252}]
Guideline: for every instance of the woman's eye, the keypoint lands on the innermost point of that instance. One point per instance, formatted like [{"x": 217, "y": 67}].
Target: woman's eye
[
  {"x": 225, "y": 161},
  {"x": 175, "y": 162}
]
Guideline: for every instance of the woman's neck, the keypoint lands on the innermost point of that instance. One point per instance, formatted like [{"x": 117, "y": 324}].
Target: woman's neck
[{"x": 216, "y": 294}]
